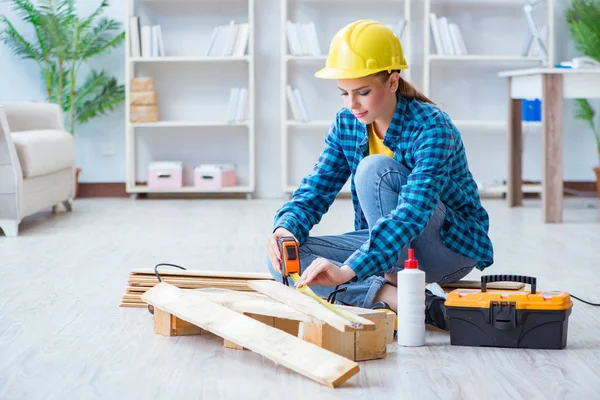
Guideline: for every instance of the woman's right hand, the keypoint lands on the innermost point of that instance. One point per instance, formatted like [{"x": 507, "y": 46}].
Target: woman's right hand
[{"x": 273, "y": 247}]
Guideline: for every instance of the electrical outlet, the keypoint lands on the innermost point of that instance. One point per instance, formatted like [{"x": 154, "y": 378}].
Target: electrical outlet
[{"x": 108, "y": 149}]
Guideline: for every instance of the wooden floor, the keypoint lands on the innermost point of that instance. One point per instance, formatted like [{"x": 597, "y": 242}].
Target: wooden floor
[{"x": 63, "y": 336}]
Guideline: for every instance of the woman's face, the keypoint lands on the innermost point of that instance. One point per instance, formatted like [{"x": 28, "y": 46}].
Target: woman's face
[{"x": 369, "y": 97}]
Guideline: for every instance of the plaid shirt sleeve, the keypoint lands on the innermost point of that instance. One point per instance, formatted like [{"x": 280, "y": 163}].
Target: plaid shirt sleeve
[
  {"x": 417, "y": 201},
  {"x": 317, "y": 191}
]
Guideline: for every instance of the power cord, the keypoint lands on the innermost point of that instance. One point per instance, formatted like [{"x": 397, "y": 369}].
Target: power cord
[
  {"x": 165, "y": 264},
  {"x": 585, "y": 301}
]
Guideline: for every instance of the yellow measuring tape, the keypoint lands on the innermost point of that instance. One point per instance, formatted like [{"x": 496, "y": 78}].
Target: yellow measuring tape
[{"x": 355, "y": 322}]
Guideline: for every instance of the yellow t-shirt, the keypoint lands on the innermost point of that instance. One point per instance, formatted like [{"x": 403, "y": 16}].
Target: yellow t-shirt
[{"x": 376, "y": 145}]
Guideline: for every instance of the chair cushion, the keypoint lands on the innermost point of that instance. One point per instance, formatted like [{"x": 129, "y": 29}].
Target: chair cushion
[{"x": 44, "y": 151}]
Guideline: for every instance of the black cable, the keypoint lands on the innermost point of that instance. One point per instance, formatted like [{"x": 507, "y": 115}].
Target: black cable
[
  {"x": 168, "y": 265},
  {"x": 585, "y": 301}
]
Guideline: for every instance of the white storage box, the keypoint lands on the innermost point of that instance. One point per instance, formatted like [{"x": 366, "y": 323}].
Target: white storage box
[
  {"x": 165, "y": 175},
  {"x": 214, "y": 176}
]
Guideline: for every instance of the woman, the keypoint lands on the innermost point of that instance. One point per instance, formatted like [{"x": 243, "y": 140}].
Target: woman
[{"x": 410, "y": 182}]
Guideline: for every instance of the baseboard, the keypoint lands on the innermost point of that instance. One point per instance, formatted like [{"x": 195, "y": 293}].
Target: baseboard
[
  {"x": 102, "y": 189},
  {"x": 117, "y": 189}
]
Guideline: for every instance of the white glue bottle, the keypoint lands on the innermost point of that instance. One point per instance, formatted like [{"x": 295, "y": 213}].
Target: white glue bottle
[{"x": 411, "y": 303}]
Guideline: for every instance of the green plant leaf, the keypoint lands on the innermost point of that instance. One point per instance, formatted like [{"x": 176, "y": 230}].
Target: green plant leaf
[
  {"x": 17, "y": 43},
  {"x": 106, "y": 99},
  {"x": 105, "y": 35}
]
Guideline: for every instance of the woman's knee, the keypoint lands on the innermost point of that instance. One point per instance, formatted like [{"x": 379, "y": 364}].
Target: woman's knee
[{"x": 369, "y": 167}]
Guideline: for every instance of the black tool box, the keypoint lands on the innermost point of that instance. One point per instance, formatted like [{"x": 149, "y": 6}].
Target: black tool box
[{"x": 508, "y": 318}]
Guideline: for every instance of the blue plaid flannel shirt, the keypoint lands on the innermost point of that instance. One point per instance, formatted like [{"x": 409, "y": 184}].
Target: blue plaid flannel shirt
[{"x": 424, "y": 139}]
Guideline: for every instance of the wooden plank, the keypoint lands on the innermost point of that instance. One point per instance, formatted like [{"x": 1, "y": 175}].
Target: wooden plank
[
  {"x": 552, "y": 185},
  {"x": 305, "y": 358},
  {"x": 514, "y": 192},
  {"x": 132, "y": 305},
  {"x": 307, "y": 305},
  {"x": 390, "y": 323},
  {"x": 359, "y": 345},
  {"x": 253, "y": 303},
  {"x": 191, "y": 284},
  {"x": 327, "y": 337},
  {"x": 267, "y": 320},
  {"x": 372, "y": 345},
  {"x": 153, "y": 280},
  {"x": 205, "y": 274},
  {"x": 167, "y": 324}
]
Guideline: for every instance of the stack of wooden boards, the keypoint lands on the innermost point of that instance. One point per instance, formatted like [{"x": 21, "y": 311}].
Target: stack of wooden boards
[
  {"x": 325, "y": 348},
  {"x": 140, "y": 280}
]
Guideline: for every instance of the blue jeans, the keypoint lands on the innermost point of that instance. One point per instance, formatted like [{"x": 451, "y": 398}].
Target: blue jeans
[{"x": 379, "y": 180}]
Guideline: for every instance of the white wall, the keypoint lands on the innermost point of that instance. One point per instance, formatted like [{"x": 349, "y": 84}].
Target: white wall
[{"x": 486, "y": 149}]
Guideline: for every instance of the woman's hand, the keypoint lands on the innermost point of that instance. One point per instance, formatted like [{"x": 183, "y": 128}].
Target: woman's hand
[
  {"x": 321, "y": 272},
  {"x": 273, "y": 247}
]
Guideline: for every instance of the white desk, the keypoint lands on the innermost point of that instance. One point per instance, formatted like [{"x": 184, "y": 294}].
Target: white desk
[{"x": 551, "y": 85}]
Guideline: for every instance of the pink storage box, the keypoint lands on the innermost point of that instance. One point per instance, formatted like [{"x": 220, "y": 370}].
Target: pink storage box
[
  {"x": 165, "y": 175},
  {"x": 214, "y": 176}
]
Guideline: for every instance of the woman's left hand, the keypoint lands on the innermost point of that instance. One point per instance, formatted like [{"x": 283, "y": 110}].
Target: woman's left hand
[{"x": 321, "y": 272}]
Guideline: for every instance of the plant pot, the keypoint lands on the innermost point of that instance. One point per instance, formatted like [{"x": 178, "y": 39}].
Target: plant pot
[
  {"x": 77, "y": 171},
  {"x": 597, "y": 171}
]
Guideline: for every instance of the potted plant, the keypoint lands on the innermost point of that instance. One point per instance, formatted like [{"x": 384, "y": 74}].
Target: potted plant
[
  {"x": 63, "y": 43},
  {"x": 583, "y": 19}
]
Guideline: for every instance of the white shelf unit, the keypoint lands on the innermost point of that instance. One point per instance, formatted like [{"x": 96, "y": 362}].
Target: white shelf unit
[
  {"x": 491, "y": 47},
  {"x": 302, "y": 141},
  {"x": 193, "y": 93}
]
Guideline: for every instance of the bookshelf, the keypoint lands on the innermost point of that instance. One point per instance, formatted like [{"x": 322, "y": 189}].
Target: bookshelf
[
  {"x": 491, "y": 48},
  {"x": 466, "y": 85},
  {"x": 194, "y": 82},
  {"x": 303, "y": 132}
]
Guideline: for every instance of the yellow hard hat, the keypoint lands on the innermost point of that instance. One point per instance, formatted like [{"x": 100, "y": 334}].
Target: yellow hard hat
[{"x": 363, "y": 48}]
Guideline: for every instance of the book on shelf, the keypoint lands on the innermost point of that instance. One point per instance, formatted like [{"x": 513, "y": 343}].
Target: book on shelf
[
  {"x": 229, "y": 40},
  {"x": 302, "y": 39},
  {"x": 145, "y": 40},
  {"x": 447, "y": 37},
  {"x": 238, "y": 105},
  {"x": 296, "y": 102}
]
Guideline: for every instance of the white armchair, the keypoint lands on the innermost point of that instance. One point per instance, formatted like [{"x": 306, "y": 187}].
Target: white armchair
[{"x": 37, "y": 162}]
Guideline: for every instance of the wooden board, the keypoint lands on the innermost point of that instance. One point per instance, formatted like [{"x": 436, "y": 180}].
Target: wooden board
[
  {"x": 152, "y": 281},
  {"x": 302, "y": 357},
  {"x": 307, "y": 305},
  {"x": 169, "y": 325},
  {"x": 253, "y": 303},
  {"x": 205, "y": 274},
  {"x": 357, "y": 346}
]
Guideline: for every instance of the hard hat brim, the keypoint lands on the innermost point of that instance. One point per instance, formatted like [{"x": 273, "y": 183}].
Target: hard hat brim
[{"x": 335, "y": 73}]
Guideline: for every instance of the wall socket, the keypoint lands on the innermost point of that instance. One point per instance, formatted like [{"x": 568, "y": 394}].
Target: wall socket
[{"x": 108, "y": 149}]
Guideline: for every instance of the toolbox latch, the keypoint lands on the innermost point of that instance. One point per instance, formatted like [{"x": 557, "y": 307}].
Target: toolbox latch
[{"x": 503, "y": 314}]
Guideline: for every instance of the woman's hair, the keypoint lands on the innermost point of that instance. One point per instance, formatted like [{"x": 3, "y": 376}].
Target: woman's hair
[{"x": 405, "y": 89}]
